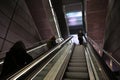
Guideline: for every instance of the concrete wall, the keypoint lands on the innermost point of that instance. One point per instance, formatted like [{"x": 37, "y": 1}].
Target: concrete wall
[
  {"x": 16, "y": 23},
  {"x": 96, "y": 11},
  {"x": 38, "y": 10}
]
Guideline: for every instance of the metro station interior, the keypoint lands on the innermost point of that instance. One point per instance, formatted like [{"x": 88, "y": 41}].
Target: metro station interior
[{"x": 34, "y": 22}]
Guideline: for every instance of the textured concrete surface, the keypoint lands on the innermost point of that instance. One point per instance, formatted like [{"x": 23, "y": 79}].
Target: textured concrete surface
[{"x": 96, "y": 11}]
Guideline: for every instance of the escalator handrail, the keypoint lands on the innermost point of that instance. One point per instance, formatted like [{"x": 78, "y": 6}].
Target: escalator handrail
[
  {"x": 113, "y": 59},
  {"x": 36, "y": 61}
]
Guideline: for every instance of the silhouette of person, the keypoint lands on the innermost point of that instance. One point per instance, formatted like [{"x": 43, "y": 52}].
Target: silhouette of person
[
  {"x": 15, "y": 59},
  {"x": 80, "y": 37},
  {"x": 51, "y": 43}
]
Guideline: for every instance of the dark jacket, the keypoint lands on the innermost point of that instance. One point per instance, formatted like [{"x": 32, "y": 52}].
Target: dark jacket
[
  {"x": 51, "y": 43},
  {"x": 80, "y": 37},
  {"x": 15, "y": 59}
]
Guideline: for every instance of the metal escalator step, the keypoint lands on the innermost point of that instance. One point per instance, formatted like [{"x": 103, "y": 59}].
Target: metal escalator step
[
  {"x": 77, "y": 69},
  {"x": 74, "y": 79},
  {"x": 78, "y": 59},
  {"x": 78, "y": 64},
  {"x": 77, "y": 75},
  {"x": 78, "y": 54}
]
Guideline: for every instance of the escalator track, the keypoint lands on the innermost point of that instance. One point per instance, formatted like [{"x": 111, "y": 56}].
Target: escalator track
[{"x": 77, "y": 66}]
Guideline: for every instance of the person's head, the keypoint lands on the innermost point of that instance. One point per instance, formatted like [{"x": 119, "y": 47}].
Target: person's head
[
  {"x": 18, "y": 46},
  {"x": 80, "y": 31},
  {"x": 53, "y": 38}
]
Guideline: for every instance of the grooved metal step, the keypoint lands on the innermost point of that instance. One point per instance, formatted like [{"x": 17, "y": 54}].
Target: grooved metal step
[
  {"x": 76, "y": 75},
  {"x": 78, "y": 64},
  {"x": 77, "y": 67},
  {"x": 75, "y": 79}
]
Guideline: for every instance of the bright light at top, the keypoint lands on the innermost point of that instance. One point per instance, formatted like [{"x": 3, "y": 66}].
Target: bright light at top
[
  {"x": 74, "y": 14},
  {"x": 74, "y": 18}
]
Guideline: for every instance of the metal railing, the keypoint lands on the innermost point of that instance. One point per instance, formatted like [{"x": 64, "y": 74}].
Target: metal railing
[
  {"x": 94, "y": 66},
  {"x": 113, "y": 59}
]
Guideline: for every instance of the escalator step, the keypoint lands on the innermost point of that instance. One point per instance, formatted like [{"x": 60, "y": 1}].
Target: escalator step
[
  {"x": 77, "y": 61},
  {"x": 78, "y": 64},
  {"x": 77, "y": 69},
  {"x": 74, "y": 79},
  {"x": 76, "y": 75},
  {"x": 80, "y": 59}
]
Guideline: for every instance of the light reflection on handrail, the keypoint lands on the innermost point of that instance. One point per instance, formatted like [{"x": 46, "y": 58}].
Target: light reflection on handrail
[
  {"x": 36, "y": 48},
  {"x": 114, "y": 60},
  {"x": 35, "y": 62}
]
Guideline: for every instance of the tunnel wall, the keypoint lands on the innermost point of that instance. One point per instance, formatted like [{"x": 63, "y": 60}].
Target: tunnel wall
[
  {"x": 96, "y": 11},
  {"x": 38, "y": 10},
  {"x": 112, "y": 32},
  {"x": 16, "y": 23}
]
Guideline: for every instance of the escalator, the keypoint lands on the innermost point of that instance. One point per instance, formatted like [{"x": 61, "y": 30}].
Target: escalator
[
  {"x": 41, "y": 66},
  {"x": 69, "y": 62},
  {"x": 77, "y": 66}
]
